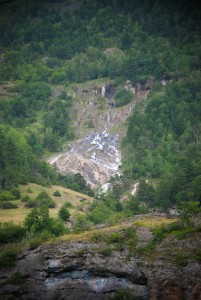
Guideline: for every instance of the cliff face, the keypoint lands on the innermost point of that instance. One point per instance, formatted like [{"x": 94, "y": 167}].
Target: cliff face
[{"x": 79, "y": 270}]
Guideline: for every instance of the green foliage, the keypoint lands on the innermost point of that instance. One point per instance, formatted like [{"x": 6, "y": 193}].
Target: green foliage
[
  {"x": 125, "y": 294},
  {"x": 161, "y": 232},
  {"x": 64, "y": 213},
  {"x": 16, "y": 278},
  {"x": 105, "y": 251},
  {"x": 188, "y": 210},
  {"x": 10, "y": 232},
  {"x": 25, "y": 199},
  {"x": 38, "y": 220},
  {"x": 123, "y": 97},
  {"x": 6, "y": 196},
  {"x": 68, "y": 204},
  {"x": 81, "y": 224},
  {"x": 161, "y": 143},
  {"x": 148, "y": 249},
  {"x": 198, "y": 255},
  {"x": 44, "y": 199},
  {"x": 57, "y": 194},
  {"x": 180, "y": 258},
  {"x": 16, "y": 193},
  {"x": 40, "y": 239},
  {"x": 8, "y": 205},
  {"x": 187, "y": 231},
  {"x": 8, "y": 256}
]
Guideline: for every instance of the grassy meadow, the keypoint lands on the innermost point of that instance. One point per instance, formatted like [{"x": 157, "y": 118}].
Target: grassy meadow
[{"x": 17, "y": 215}]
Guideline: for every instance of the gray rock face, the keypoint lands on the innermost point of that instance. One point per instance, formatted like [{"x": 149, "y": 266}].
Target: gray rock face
[
  {"x": 73, "y": 271},
  {"x": 76, "y": 270}
]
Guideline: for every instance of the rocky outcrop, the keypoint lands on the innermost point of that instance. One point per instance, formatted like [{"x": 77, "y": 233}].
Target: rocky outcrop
[
  {"x": 74, "y": 271},
  {"x": 78, "y": 270}
]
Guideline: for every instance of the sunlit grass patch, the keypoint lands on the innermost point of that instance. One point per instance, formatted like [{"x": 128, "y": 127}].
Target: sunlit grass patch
[
  {"x": 18, "y": 215},
  {"x": 153, "y": 222}
]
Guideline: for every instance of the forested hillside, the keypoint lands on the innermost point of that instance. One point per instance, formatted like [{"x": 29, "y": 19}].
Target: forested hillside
[
  {"x": 109, "y": 93},
  {"x": 49, "y": 44}
]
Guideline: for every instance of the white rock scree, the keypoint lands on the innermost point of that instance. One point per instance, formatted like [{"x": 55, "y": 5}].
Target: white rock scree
[{"x": 96, "y": 157}]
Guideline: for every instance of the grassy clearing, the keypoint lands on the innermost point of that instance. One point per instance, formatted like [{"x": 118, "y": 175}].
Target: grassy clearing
[
  {"x": 32, "y": 190},
  {"x": 150, "y": 222},
  {"x": 153, "y": 222}
]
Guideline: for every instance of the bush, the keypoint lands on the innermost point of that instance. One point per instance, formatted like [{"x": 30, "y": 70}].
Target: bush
[
  {"x": 6, "y": 196},
  {"x": 105, "y": 251},
  {"x": 8, "y": 205},
  {"x": 44, "y": 199},
  {"x": 16, "y": 278},
  {"x": 8, "y": 256},
  {"x": 16, "y": 193},
  {"x": 57, "y": 227},
  {"x": 38, "y": 220},
  {"x": 31, "y": 203},
  {"x": 10, "y": 232},
  {"x": 115, "y": 237},
  {"x": 40, "y": 238},
  {"x": 67, "y": 204},
  {"x": 64, "y": 213},
  {"x": 123, "y": 97},
  {"x": 198, "y": 254},
  {"x": 81, "y": 224},
  {"x": 127, "y": 294},
  {"x": 57, "y": 194},
  {"x": 180, "y": 258},
  {"x": 25, "y": 199}
]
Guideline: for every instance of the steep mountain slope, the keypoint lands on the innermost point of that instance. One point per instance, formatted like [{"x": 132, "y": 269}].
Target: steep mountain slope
[{"x": 101, "y": 125}]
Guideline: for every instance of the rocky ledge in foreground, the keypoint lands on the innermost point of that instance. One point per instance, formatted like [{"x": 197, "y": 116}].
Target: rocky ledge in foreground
[{"x": 91, "y": 270}]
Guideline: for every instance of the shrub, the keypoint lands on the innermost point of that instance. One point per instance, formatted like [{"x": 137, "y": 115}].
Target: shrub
[
  {"x": 180, "y": 258},
  {"x": 8, "y": 205},
  {"x": 31, "y": 203},
  {"x": 10, "y": 232},
  {"x": 64, "y": 213},
  {"x": 16, "y": 193},
  {"x": 6, "y": 196},
  {"x": 25, "y": 199},
  {"x": 38, "y": 220},
  {"x": 123, "y": 97},
  {"x": 40, "y": 238},
  {"x": 105, "y": 251},
  {"x": 58, "y": 227},
  {"x": 67, "y": 204},
  {"x": 127, "y": 294},
  {"x": 16, "y": 278},
  {"x": 198, "y": 254},
  {"x": 44, "y": 199},
  {"x": 8, "y": 256},
  {"x": 81, "y": 224},
  {"x": 115, "y": 237},
  {"x": 57, "y": 194},
  {"x": 149, "y": 248},
  {"x": 97, "y": 237}
]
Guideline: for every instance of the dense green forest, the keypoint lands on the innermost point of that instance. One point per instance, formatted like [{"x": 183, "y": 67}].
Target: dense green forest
[{"x": 50, "y": 43}]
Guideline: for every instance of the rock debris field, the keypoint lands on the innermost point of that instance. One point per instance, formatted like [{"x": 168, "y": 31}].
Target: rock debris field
[{"x": 97, "y": 157}]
